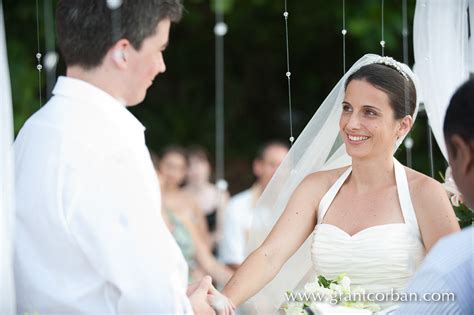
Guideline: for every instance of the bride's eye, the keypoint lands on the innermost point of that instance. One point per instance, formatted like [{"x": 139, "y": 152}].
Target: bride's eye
[
  {"x": 370, "y": 113},
  {"x": 346, "y": 108}
]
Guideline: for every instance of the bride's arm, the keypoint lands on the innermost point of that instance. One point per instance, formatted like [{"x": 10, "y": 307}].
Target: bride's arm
[
  {"x": 291, "y": 230},
  {"x": 433, "y": 210}
]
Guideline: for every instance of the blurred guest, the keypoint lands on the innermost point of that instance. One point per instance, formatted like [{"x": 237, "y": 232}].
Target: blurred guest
[
  {"x": 209, "y": 198},
  {"x": 181, "y": 214},
  {"x": 241, "y": 207},
  {"x": 174, "y": 169}
]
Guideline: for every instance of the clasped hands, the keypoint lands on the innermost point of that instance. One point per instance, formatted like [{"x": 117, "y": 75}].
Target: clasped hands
[{"x": 206, "y": 300}]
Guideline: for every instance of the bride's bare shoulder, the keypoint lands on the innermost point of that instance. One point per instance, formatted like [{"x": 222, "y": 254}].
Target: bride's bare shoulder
[
  {"x": 324, "y": 179},
  {"x": 422, "y": 186},
  {"x": 417, "y": 179}
]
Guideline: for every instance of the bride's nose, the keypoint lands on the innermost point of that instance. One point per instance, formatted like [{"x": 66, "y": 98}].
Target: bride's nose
[{"x": 354, "y": 122}]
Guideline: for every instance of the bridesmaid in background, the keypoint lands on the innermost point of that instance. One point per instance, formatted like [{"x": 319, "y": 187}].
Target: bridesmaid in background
[
  {"x": 184, "y": 218},
  {"x": 211, "y": 200}
]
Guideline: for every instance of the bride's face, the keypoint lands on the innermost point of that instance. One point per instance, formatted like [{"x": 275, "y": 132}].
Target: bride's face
[{"x": 367, "y": 124}]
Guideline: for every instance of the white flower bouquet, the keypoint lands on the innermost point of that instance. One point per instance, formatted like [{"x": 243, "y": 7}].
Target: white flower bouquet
[{"x": 336, "y": 292}]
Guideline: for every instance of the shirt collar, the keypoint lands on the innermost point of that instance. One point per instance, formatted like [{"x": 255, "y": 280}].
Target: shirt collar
[{"x": 89, "y": 94}]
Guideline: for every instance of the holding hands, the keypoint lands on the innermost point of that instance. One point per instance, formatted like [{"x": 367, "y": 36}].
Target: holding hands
[{"x": 206, "y": 300}]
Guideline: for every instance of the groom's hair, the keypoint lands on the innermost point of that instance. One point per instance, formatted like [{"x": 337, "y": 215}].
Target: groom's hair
[
  {"x": 459, "y": 119},
  {"x": 87, "y": 29}
]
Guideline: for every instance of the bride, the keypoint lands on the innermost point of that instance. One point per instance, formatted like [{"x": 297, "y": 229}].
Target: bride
[{"x": 369, "y": 216}]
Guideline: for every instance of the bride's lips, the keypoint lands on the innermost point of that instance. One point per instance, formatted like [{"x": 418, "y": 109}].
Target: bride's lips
[{"x": 356, "y": 139}]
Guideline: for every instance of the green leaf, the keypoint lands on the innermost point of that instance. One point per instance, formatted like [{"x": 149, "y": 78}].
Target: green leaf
[
  {"x": 464, "y": 215},
  {"x": 324, "y": 282}
]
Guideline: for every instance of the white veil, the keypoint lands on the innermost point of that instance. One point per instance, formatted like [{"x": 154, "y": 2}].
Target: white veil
[
  {"x": 319, "y": 147},
  {"x": 442, "y": 56}
]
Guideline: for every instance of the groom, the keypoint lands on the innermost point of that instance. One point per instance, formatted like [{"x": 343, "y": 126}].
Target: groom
[
  {"x": 449, "y": 267},
  {"x": 89, "y": 234}
]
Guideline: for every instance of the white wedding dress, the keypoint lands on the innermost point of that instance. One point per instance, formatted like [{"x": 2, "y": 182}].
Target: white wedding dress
[{"x": 378, "y": 258}]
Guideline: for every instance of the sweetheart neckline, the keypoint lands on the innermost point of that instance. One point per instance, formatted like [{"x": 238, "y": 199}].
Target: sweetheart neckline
[{"x": 363, "y": 230}]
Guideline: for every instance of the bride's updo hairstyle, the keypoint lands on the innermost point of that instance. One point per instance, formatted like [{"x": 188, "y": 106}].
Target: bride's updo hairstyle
[{"x": 391, "y": 81}]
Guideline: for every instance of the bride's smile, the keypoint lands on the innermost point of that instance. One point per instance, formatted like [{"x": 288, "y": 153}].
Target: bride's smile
[
  {"x": 355, "y": 140},
  {"x": 368, "y": 125}
]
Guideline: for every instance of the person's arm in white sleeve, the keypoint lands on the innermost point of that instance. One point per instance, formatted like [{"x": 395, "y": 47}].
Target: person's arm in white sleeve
[{"x": 232, "y": 244}]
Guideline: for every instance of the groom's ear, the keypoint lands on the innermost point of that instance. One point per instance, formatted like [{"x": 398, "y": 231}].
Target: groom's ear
[
  {"x": 470, "y": 144},
  {"x": 118, "y": 54},
  {"x": 462, "y": 153}
]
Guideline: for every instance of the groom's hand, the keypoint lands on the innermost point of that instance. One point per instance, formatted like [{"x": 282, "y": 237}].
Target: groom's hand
[
  {"x": 221, "y": 304},
  {"x": 198, "y": 293},
  {"x": 192, "y": 287}
]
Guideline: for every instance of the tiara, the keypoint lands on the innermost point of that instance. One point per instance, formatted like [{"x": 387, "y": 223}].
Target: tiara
[{"x": 392, "y": 63}]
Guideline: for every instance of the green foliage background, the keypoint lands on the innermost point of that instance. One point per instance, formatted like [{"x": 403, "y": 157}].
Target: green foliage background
[{"x": 179, "y": 108}]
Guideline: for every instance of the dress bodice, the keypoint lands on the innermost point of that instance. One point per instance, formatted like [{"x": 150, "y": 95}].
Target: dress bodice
[{"x": 379, "y": 258}]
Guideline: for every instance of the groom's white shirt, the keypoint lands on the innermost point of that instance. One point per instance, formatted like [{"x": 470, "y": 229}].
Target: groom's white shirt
[{"x": 90, "y": 238}]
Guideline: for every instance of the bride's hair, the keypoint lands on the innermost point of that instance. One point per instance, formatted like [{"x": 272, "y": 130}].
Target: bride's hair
[{"x": 400, "y": 91}]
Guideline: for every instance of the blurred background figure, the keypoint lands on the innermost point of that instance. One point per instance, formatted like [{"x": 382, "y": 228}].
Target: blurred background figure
[
  {"x": 184, "y": 218},
  {"x": 240, "y": 209},
  {"x": 210, "y": 199},
  {"x": 172, "y": 165}
]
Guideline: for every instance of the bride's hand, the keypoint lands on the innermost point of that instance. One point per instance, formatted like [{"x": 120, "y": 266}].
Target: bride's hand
[{"x": 220, "y": 303}]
